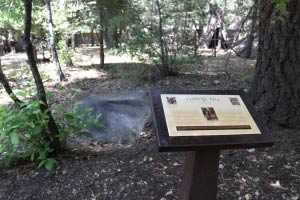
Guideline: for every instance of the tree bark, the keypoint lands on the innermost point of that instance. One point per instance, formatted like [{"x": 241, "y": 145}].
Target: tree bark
[
  {"x": 102, "y": 56},
  {"x": 58, "y": 69},
  {"x": 92, "y": 35},
  {"x": 276, "y": 86},
  {"x": 222, "y": 20},
  {"x": 5, "y": 83},
  {"x": 163, "y": 56},
  {"x": 101, "y": 32},
  {"x": 198, "y": 33},
  {"x": 52, "y": 126}
]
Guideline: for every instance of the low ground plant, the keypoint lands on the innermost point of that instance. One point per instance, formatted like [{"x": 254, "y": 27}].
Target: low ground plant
[{"x": 24, "y": 133}]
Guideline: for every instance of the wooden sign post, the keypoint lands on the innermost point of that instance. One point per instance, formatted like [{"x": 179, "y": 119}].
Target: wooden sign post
[{"x": 202, "y": 123}]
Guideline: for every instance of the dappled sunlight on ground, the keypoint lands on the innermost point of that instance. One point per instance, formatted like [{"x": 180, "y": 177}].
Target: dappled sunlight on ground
[
  {"x": 4, "y": 99},
  {"x": 13, "y": 59},
  {"x": 90, "y": 56},
  {"x": 122, "y": 72},
  {"x": 86, "y": 74},
  {"x": 211, "y": 65}
]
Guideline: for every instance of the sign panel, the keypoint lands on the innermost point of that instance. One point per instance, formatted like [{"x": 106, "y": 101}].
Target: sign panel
[{"x": 207, "y": 115}]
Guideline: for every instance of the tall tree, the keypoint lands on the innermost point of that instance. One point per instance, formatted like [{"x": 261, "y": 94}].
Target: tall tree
[
  {"x": 100, "y": 5},
  {"x": 276, "y": 86},
  {"x": 58, "y": 69},
  {"x": 222, "y": 15},
  {"x": 164, "y": 54},
  {"x": 52, "y": 126},
  {"x": 253, "y": 29}
]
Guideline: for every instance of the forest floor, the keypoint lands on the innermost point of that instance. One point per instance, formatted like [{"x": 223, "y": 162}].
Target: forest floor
[{"x": 136, "y": 170}]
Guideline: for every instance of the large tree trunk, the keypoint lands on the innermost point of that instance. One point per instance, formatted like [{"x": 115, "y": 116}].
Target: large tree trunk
[
  {"x": 276, "y": 86},
  {"x": 54, "y": 141},
  {"x": 58, "y": 69}
]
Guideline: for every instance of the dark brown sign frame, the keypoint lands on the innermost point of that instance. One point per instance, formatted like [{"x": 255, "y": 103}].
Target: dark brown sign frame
[
  {"x": 195, "y": 143},
  {"x": 200, "y": 175}
]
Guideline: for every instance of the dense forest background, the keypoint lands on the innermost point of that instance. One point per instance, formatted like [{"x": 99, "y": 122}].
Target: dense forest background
[{"x": 56, "y": 53}]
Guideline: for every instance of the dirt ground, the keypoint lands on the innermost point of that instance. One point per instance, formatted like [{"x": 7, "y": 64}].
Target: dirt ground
[{"x": 136, "y": 170}]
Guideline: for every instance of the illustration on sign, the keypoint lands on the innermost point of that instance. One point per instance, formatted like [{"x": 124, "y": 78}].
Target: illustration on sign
[{"x": 204, "y": 115}]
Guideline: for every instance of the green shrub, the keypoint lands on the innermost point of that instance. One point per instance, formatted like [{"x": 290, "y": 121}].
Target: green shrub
[
  {"x": 23, "y": 131},
  {"x": 118, "y": 72},
  {"x": 135, "y": 74},
  {"x": 194, "y": 60},
  {"x": 65, "y": 54}
]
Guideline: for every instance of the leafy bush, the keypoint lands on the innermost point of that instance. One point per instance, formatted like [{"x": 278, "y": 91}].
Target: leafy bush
[
  {"x": 135, "y": 74},
  {"x": 66, "y": 54},
  {"x": 24, "y": 133}
]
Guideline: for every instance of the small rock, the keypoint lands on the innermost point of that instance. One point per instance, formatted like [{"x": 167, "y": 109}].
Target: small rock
[
  {"x": 146, "y": 134},
  {"x": 217, "y": 82},
  {"x": 122, "y": 189},
  {"x": 169, "y": 193},
  {"x": 189, "y": 83},
  {"x": 251, "y": 150},
  {"x": 247, "y": 197},
  {"x": 287, "y": 166}
]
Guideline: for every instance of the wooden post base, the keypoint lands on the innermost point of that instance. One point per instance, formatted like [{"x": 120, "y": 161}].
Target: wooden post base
[{"x": 200, "y": 175}]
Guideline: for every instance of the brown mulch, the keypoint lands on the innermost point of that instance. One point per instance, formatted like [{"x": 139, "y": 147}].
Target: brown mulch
[{"x": 137, "y": 171}]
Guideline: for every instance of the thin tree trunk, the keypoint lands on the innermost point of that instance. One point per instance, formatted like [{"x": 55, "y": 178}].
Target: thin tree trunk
[
  {"x": 222, "y": 20},
  {"x": 52, "y": 126},
  {"x": 7, "y": 43},
  {"x": 73, "y": 41},
  {"x": 208, "y": 31},
  {"x": 101, "y": 32},
  {"x": 250, "y": 38},
  {"x": 102, "y": 55},
  {"x": 92, "y": 35},
  {"x": 5, "y": 83},
  {"x": 163, "y": 56},
  {"x": 276, "y": 86},
  {"x": 58, "y": 69}
]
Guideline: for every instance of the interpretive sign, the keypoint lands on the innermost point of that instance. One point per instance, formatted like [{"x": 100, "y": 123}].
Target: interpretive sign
[
  {"x": 203, "y": 123},
  {"x": 199, "y": 115},
  {"x": 187, "y": 120}
]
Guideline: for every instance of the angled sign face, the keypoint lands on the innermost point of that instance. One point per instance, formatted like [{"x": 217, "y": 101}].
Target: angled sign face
[
  {"x": 190, "y": 120},
  {"x": 204, "y": 115}
]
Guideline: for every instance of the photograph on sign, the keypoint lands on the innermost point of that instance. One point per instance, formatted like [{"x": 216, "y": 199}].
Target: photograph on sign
[{"x": 205, "y": 115}]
